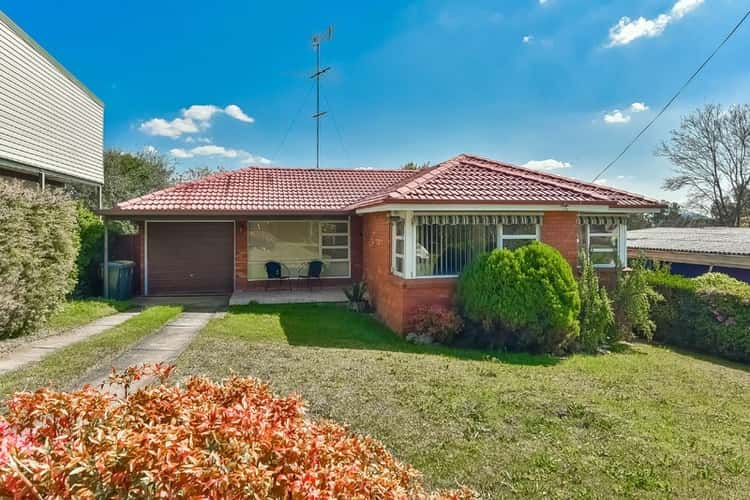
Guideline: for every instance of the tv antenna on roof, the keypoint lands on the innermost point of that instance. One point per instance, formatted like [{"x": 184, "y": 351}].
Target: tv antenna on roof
[{"x": 317, "y": 39}]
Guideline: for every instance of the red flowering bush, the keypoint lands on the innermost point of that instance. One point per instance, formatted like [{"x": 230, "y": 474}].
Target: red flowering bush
[
  {"x": 437, "y": 322},
  {"x": 233, "y": 439}
]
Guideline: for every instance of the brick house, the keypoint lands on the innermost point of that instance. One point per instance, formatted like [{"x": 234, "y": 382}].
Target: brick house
[{"x": 407, "y": 234}]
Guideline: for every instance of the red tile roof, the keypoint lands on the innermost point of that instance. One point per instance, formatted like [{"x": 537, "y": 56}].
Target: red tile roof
[
  {"x": 473, "y": 179},
  {"x": 264, "y": 189},
  {"x": 464, "y": 179}
]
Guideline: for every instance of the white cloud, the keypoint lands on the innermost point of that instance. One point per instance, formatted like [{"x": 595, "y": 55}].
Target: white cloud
[
  {"x": 200, "y": 112},
  {"x": 616, "y": 116},
  {"x": 528, "y": 39},
  {"x": 638, "y": 107},
  {"x": 601, "y": 182},
  {"x": 180, "y": 153},
  {"x": 214, "y": 150},
  {"x": 236, "y": 112},
  {"x": 549, "y": 164},
  {"x": 628, "y": 30},
  {"x": 164, "y": 128},
  {"x": 543, "y": 2},
  {"x": 683, "y": 7},
  {"x": 192, "y": 119},
  {"x": 150, "y": 149}
]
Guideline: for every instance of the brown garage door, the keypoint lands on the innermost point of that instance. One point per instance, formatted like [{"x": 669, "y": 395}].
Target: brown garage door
[{"x": 190, "y": 258}]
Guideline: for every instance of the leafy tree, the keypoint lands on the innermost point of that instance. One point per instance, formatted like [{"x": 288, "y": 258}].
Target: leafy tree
[
  {"x": 414, "y": 166},
  {"x": 597, "y": 317},
  {"x": 633, "y": 300},
  {"x": 711, "y": 156},
  {"x": 126, "y": 176},
  {"x": 196, "y": 173},
  {"x": 672, "y": 216}
]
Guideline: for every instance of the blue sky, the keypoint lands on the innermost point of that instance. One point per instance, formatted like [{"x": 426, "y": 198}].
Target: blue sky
[{"x": 519, "y": 81}]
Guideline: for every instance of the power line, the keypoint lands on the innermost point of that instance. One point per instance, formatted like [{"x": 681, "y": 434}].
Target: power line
[
  {"x": 293, "y": 121},
  {"x": 338, "y": 131},
  {"x": 674, "y": 97}
]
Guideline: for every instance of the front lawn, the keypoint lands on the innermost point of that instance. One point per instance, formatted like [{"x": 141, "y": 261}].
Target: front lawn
[
  {"x": 66, "y": 365},
  {"x": 79, "y": 312},
  {"x": 644, "y": 422}
]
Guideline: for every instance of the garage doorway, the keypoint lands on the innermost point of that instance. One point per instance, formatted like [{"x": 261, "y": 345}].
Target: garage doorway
[{"x": 189, "y": 258}]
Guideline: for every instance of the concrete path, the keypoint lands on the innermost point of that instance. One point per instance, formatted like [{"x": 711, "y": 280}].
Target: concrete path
[
  {"x": 281, "y": 296},
  {"x": 37, "y": 349},
  {"x": 162, "y": 346}
]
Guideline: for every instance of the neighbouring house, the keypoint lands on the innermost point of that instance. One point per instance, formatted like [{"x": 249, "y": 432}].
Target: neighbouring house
[
  {"x": 407, "y": 233},
  {"x": 51, "y": 125},
  {"x": 692, "y": 251}
]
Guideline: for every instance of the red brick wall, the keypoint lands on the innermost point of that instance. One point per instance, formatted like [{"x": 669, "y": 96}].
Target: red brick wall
[
  {"x": 560, "y": 230},
  {"x": 395, "y": 299}
]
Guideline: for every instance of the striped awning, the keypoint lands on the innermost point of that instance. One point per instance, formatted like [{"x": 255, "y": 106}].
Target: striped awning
[
  {"x": 460, "y": 219},
  {"x": 602, "y": 219}
]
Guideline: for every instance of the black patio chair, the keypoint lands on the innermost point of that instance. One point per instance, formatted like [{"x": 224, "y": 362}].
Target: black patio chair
[
  {"x": 314, "y": 268},
  {"x": 277, "y": 271}
]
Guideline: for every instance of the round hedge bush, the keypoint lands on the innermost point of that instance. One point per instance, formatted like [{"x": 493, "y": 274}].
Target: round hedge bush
[{"x": 527, "y": 298}]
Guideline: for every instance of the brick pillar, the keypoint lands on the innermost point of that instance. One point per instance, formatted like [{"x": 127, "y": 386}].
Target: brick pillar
[
  {"x": 240, "y": 255},
  {"x": 560, "y": 230}
]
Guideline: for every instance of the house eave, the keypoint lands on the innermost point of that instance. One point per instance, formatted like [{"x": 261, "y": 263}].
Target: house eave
[{"x": 502, "y": 207}]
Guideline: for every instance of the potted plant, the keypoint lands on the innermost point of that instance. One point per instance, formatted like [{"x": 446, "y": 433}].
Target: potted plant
[{"x": 356, "y": 294}]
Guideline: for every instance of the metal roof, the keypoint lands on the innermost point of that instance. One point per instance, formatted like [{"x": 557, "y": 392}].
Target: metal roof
[{"x": 708, "y": 240}]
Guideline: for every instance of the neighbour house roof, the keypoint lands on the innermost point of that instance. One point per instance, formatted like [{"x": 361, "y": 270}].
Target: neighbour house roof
[
  {"x": 707, "y": 240},
  {"x": 465, "y": 179}
]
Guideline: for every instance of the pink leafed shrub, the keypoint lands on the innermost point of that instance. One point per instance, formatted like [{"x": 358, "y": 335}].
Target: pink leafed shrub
[
  {"x": 437, "y": 322},
  {"x": 233, "y": 439}
]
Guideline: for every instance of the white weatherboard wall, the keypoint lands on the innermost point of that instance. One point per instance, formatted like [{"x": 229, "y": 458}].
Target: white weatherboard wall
[{"x": 48, "y": 120}]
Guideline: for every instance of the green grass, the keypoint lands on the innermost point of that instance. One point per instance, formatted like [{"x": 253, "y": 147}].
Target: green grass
[
  {"x": 63, "y": 367},
  {"x": 644, "y": 422},
  {"x": 79, "y": 312}
]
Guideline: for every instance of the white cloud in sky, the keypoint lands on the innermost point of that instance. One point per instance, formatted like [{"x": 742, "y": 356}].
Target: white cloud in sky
[
  {"x": 616, "y": 116},
  {"x": 236, "y": 112},
  {"x": 548, "y": 164},
  {"x": 200, "y": 112},
  {"x": 638, "y": 107},
  {"x": 214, "y": 150},
  {"x": 193, "y": 119},
  {"x": 528, "y": 39},
  {"x": 164, "y": 128},
  {"x": 150, "y": 149},
  {"x": 628, "y": 30},
  {"x": 601, "y": 182},
  {"x": 543, "y": 2}
]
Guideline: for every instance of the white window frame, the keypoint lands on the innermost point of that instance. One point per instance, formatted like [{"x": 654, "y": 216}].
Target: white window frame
[
  {"x": 620, "y": 249},
  {"x": 502, "y": 237},
  {"x": 320, "y": 243},
  {"x": 411, "y": 257},
  {"x": 394, "y": 254}
]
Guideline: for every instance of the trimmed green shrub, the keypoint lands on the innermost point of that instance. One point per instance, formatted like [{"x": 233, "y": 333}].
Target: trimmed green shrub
[
  {"x": 633, "y": 299},
  {"x": 38, "y": 249},
  {"x": 527, "y": 298},
  {"x": 91, "y": 231},
  {"x": 708, "y": 314},
  {"x": 597, "y": 317}
]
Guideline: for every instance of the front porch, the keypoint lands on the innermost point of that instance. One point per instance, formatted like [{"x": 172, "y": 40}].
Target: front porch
[{"x": 286, "y": 296}]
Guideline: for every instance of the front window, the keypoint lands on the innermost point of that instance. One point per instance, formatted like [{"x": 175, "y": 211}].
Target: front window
[
  {"x": 294, "y": 243},
  {"x": 446, "y": 249},
  {"x": 397, "y": 263},
  {"x": 602, "y": 242}
]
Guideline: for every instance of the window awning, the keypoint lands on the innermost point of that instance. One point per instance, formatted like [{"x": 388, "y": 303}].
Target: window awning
[
  {"x": 602, "y": 219},
  {"x": 457, "y": 219}
]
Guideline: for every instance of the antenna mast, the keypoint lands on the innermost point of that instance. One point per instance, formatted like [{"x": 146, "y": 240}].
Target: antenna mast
[{"x": 316, "y": 41}]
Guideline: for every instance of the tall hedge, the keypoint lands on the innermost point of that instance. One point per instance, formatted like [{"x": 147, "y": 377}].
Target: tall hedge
[
  {"x": 527, "y": 298},
  {"x": 90, "y": 256},
  {"x": 38, "y": 249},
  {"x": 709, "y": 314}
]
